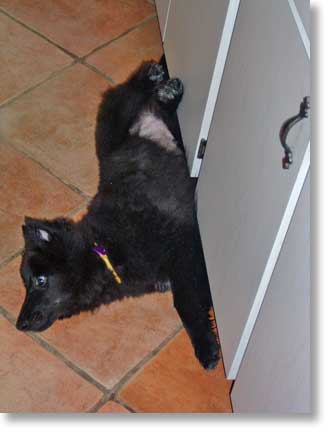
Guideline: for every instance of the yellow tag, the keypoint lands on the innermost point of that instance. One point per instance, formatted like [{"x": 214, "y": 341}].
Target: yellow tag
[{"x": 108, "y": 264}]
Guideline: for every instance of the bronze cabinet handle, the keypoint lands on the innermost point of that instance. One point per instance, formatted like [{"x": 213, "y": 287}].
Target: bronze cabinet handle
[{"x": 287, "y": 126}]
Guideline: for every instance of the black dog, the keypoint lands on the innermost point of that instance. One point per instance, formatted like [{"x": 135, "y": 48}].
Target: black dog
[{"x": 140, "y": 234}]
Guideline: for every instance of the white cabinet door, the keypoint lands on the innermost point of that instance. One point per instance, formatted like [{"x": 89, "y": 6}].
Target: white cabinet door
[
  {"x": 275, "y": 372},
  {"x": 162, "y": 12},
  {"x": 303, "y": 9},
  {"x": 196, "y": 44},
  {"x": 245, "y": 198}
]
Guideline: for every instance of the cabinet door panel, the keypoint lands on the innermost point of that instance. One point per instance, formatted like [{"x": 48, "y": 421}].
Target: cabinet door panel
[
  {"x": 162, "y": 10},
  {"x": 275, "y": 372},
  {"x": 193, "y": 34},
  {"x": 243, "y": 190},
  {"x": 303, "y": 7}
]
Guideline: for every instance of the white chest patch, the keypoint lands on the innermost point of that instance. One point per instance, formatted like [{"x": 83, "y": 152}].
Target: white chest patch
[{"x": 151, "y": 127}]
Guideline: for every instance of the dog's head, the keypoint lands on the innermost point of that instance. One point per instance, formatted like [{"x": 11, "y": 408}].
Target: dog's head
[{"x": 47, "y": 273}]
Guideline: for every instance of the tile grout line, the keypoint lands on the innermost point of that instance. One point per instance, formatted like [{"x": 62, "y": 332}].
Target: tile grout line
[
  {"x": 78, "y": 208},
  {"x": 141, "y": 24},
  {"x": 97, "y": 71},
  {"x": 106, "y": 398},
  {"x": 125, "y": 405},
  {"x": 101, "y": 402},
  {"x": 134, "y": 370},
  {"x": 108, "y": 393},
  {"x": 80, "y": 59},
  {"x": 57, "y": 354},
  {"x": 50, "y": 77},
  {"x": 71, "y": 186},
  {"x": 54, "y": 74},
  {"x": 36, "y": 32},
  {"x": 10, "y": 258},
  {"x": 76, "y": 58},
  {"x": 84, "y": 60},
  {"x": 43, "y": 343},
  {"x": 112, "y": 392}
]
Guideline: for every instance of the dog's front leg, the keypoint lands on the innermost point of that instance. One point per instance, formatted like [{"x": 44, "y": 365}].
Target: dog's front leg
[{"x": 120, "y": 107}]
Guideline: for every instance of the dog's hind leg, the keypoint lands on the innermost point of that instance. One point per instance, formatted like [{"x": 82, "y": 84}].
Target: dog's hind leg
[
  {"x": 121, "y": 105},
  {"x": 192, "y": 300}
]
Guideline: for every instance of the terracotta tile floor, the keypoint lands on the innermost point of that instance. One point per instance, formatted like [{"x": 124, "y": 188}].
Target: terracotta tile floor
[{"x": 132, "y": 356}]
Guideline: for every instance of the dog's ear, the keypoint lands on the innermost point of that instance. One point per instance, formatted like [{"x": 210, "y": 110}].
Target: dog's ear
[
  {"x": 37, "y": 231},
  {"x": 43, "y": 232}
]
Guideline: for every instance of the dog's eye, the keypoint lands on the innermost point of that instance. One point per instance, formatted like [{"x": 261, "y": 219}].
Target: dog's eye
[{"x": 41, "y": 281}]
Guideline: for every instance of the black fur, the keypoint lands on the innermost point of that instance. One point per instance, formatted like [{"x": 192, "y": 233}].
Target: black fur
[{"x": 143, "y": 214}]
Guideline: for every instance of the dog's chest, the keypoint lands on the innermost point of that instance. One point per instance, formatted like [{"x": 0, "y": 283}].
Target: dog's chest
[{"x": 153, "y": 128}]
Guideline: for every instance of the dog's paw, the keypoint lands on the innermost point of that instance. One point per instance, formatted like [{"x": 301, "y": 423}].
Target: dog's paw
[
  {"x": 148, "y": 76},
  {"x": 156, "y": 73},
  {"x": 208, "y": 353},
  {"x": 171, "y": 91}
]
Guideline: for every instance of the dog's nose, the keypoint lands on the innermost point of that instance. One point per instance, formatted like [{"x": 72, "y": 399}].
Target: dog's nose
[{"x": 22, "y": 325}]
